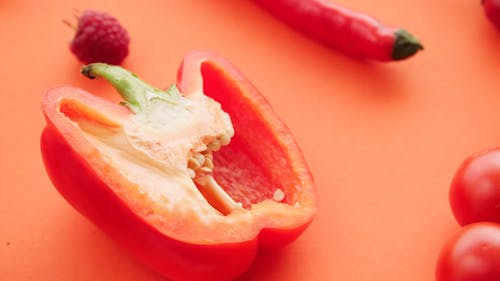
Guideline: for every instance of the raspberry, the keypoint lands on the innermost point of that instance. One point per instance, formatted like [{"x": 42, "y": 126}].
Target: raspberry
[{"x": 99, "y": 38}]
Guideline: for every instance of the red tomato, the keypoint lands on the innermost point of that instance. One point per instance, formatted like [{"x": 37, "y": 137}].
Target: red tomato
[
  {"x": 475, "y": 189},
  {"x": 492, "y": 11},
  {"x": 472, "y": 254}
]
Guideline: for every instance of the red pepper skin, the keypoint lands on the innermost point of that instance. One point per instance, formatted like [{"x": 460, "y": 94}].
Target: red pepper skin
[
  {"x": 492, "y": 11},
  {"x": 89, "y": 185},
  {"x": 352, "y": 33}
]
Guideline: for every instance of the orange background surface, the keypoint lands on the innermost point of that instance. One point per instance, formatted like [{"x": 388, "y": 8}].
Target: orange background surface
[{"x": 383, "y": 140}]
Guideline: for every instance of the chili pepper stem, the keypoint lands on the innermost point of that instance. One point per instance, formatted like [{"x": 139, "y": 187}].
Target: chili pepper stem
[
  {"x": 405, "y": 45},
  {"x": 136, "y": 93}
]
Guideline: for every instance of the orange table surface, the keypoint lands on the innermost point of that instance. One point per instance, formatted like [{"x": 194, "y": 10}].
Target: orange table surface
[{"x": 383, "y": 140}]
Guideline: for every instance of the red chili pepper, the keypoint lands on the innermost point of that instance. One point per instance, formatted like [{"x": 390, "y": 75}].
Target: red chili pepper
[
  {"x": 167, "y": 179},
  {"x": 352, "y": 33},
  {"x": 492, "y": 11}
]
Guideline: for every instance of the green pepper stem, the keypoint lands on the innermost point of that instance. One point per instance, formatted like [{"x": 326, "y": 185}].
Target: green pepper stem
[
  {"x": 136, "y": 93},
  {"x": 405, "y": 45}
]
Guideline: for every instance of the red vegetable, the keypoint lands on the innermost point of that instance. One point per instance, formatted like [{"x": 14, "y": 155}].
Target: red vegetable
[
  {"x": 492, "y": 11},
  {"x": 352, "y": 33},
  {"x": 167, "y": 179},
  {"x": 472, "y": 254},
  {"x": 475, "y": 189}
]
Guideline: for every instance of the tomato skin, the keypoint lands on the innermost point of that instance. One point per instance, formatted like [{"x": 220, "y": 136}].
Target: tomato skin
[
  {"x": 472, "y": 254},
  {"x": 475, "y": 189},
  {"x": 492, "y": 11}
]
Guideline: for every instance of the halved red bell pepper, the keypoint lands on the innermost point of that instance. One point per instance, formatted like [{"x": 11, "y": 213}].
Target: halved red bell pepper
[{"x": 254, "y": 191}]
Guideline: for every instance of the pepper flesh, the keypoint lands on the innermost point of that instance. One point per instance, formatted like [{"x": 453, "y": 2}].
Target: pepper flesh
[
  {"x": 352, "y": 33},
  {"x": 261, "y": 159}
]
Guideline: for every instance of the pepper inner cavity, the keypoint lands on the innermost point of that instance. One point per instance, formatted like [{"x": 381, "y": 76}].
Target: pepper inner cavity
[
  {"x": 200, "y": 169},
  {"x": 175, "y": 133},
  {"x": 181, "y": 138}
]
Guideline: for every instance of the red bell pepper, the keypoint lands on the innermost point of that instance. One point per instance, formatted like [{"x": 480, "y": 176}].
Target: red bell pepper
[{"x": 130, "y": 170}]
